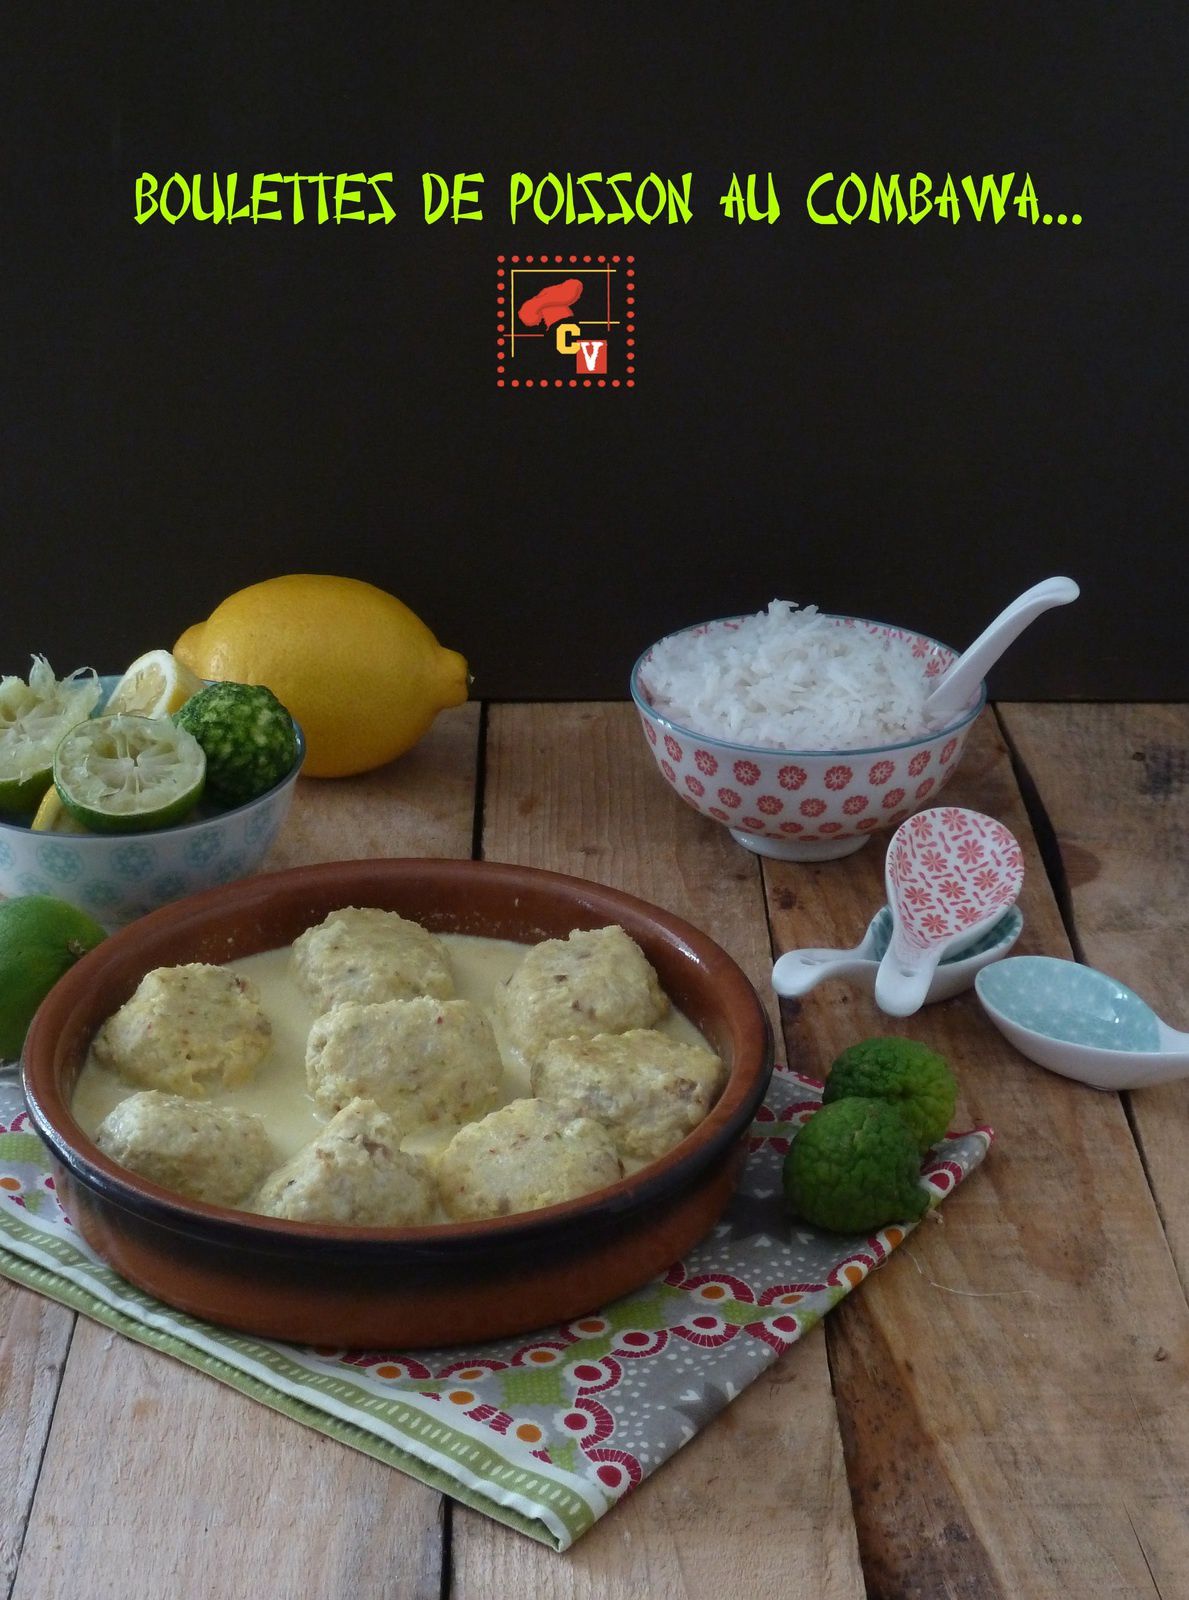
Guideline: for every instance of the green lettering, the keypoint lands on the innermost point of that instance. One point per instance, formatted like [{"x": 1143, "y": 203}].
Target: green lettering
[
  {"x": 1026, "y": 204},
  {"x": 852, "y": 179},
  {"x": 643, "y": 215},
  {"x": 732, "y": 201},
  {"x": 754, "y": 214},
  {"x": 387, "y": 210},
  {"x": 323, "y": 209},
  {"x": 559, "y": 196},
  {"x": 184, "y": 187},
  {"x": 232, "y": 214},
  {"x": 919, "y": 203},
  {"x": 820, "y": 216},
  {"x": 519, "y": 190},
  {"x": 298, "y": 210},
  {"x": 464, "y": 196},
  {"x": 947, "y": 200},
  {"x": 625, "y": 210},
  {"x": 343, "y": 196},
  {"x": 143, "y": 191},
  {"x": 885, "y": 198},
  {"x": 434, "y": 209},
  {"x": 262, "y": 196},
  {"x": 217, "y": 211},
  {"x": 596, "y": 212},
  {"x": 679, "y": 198},
  {"x": 997, "y": 193}
]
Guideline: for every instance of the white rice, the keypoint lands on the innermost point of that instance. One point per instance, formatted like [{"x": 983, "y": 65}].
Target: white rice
[{"x": 790, "y": 679}]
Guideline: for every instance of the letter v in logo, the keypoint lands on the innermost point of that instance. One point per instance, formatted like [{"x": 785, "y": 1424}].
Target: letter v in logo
[{"x": 592, "y": 355}]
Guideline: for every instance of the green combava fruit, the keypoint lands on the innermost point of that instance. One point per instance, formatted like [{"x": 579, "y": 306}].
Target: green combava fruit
[
  {"x": 909, "y": 1076},
  {"x": 855, "y": 1167}
]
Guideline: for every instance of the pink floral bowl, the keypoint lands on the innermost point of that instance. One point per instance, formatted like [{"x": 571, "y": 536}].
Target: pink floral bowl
[{"x": 808, "y": 805}]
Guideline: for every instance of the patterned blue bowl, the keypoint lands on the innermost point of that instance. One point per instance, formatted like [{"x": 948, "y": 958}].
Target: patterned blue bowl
[{"x": 118, "y": 877}]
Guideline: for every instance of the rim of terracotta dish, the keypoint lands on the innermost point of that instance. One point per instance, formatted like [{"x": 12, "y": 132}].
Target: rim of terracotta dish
[
  {"x": 928, "y": 737},
  {"x": 673, "y": 1173}
]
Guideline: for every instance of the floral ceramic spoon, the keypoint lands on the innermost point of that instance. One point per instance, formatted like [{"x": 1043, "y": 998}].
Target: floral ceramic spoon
[{"x": 950, "y": 875}]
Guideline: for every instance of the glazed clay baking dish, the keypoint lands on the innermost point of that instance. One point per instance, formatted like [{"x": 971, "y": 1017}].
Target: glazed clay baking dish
[{"x": 385, "y": 1287}]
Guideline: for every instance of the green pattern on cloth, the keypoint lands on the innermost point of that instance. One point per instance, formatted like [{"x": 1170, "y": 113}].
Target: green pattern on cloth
[{"x": 544, "y": 1431}]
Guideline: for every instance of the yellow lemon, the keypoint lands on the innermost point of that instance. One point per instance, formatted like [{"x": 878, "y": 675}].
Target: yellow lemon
[{"x": 358, "y": 670}]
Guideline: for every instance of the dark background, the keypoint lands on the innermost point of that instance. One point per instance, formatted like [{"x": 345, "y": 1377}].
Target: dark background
[{"x": 908, "y": 423}]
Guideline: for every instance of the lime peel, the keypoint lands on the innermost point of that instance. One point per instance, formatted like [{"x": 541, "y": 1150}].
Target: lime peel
[{"x": 40, "y": 938}]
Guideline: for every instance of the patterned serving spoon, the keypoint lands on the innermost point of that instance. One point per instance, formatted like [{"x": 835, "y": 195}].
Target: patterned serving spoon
[{"x": 950, "y": 875}]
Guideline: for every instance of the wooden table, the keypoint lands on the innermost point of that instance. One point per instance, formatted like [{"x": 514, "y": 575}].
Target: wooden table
[{"x": 1002, "y": 1411}]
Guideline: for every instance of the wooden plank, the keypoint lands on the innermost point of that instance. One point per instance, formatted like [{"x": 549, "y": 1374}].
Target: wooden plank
[
  {"x": 159, "y": 1481},
  {"x": 421, "y": 805},
  {"x": 1114, "y": 781},
  {"x": 34, "y": 1338},
  {"x": 203, "y": 1493},
  {"x": 757, "y": 1503},
  {"x": 1012, "y": 1385}
]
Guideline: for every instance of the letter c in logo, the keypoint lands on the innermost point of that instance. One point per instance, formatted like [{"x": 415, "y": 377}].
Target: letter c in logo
[{"x": 568, "y": 335}]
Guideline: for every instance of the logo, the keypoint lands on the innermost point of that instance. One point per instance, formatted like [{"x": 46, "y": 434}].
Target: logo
[{"x": 565, "y": 321}]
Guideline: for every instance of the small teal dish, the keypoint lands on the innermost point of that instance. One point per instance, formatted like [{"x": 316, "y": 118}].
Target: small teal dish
[
  {"x": 116, "y": 878},
  {"x": 1081, "y": 1023}
]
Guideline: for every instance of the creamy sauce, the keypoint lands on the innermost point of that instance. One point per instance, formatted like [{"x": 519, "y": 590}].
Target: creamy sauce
[{"x": 278, "y": 1092}]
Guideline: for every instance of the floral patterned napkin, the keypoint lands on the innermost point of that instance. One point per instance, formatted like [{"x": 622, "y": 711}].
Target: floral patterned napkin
[{"x": 544, "y": 1431}]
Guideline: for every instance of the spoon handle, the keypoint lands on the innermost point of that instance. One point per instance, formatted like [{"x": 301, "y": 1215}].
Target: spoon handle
[
  {"x": 799, "y": 971},
  {"x": 902, "y": 983},
  {"x": 1172, "y": 1040},
  {"x": 972, "y": 666}
]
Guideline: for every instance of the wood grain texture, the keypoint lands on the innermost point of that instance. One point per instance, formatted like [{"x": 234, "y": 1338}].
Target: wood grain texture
[
  {"x": 34, "y": 1338},
  {"x": 159, "y": 1482},
  {"x": 1012, "y": 1386},
  {"x": 1114, "y": 781},
  {"x": 421, "y": 805},
  {"x": 756, "y": 1504}
]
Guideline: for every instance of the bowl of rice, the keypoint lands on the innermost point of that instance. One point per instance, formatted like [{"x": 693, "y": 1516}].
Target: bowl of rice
[{"x": 804, "y": 733}]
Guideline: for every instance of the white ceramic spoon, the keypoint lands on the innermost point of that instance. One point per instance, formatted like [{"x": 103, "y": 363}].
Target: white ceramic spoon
[
  {"x": 950, "y": 875},
  {"x": 798, "y": 971},
  {"x": 1082, "y": 1024},
  {"x": 963, "y": 678}
]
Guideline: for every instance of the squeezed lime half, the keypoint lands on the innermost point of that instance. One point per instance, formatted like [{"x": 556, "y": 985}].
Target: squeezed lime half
[
  {"x": 127, "y": 774},
  {"x": 33, "y": 718}
]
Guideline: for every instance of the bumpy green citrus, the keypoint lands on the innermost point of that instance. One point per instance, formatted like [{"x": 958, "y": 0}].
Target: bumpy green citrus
[
  {"x": 853, "y": 1167},
  {"x": 40, "y": 937},
  {"x": 907, "y": 1075},
  {"x": 248, "y": 737}
]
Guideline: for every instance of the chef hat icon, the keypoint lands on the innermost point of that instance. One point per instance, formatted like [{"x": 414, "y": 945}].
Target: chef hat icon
[{"x": 551, "y": 304}]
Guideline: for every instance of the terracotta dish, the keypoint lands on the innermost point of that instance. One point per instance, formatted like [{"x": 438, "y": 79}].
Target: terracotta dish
[{"x": 410, "y": 1287}]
